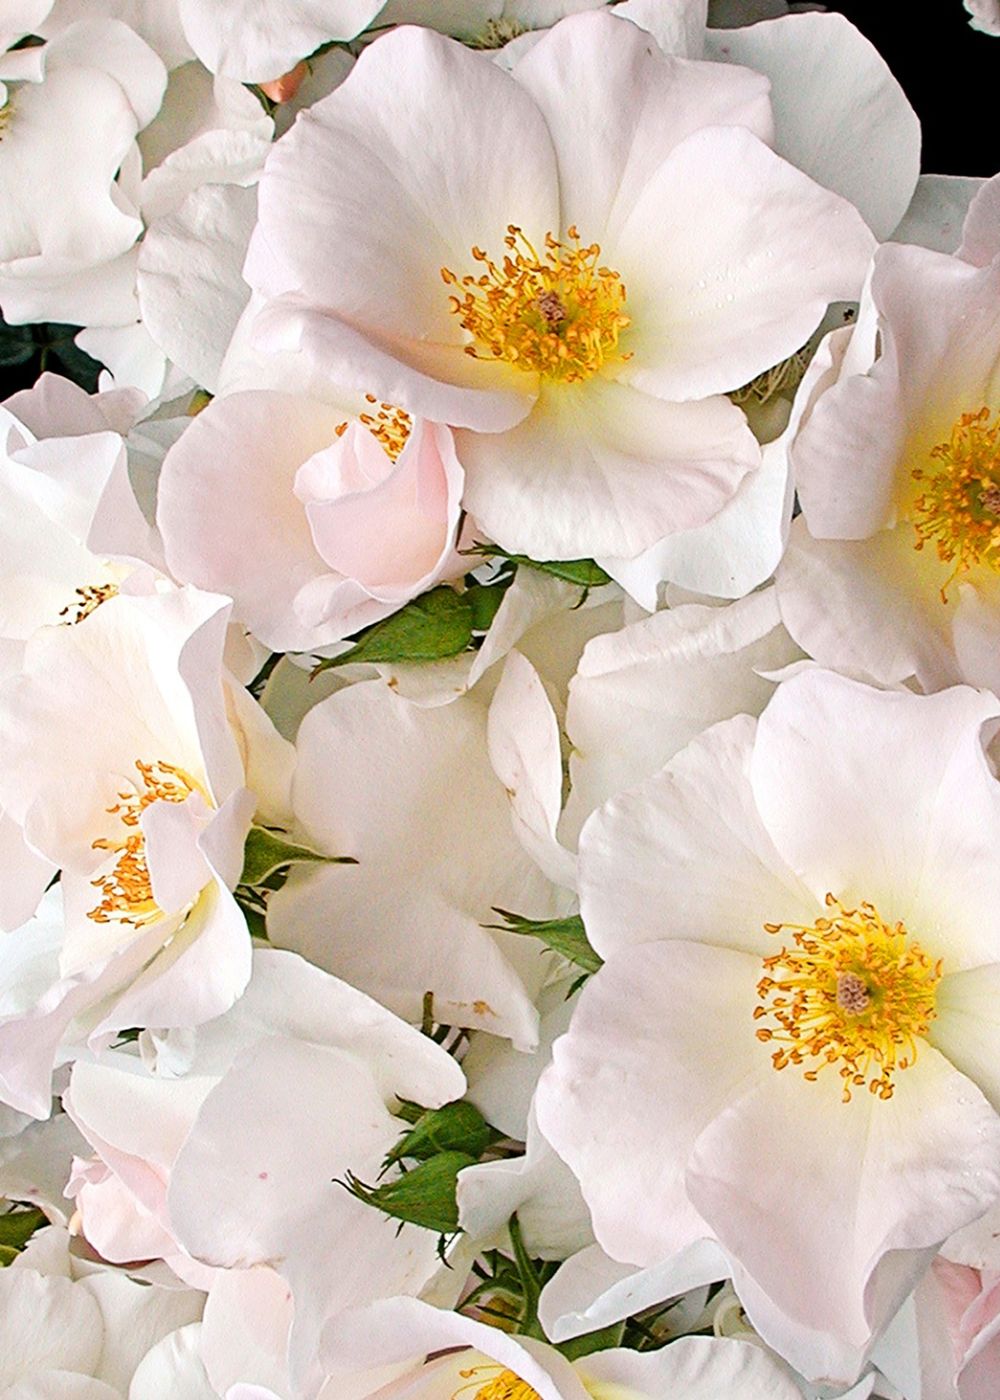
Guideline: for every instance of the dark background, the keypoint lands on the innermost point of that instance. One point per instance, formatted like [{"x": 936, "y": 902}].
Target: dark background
[{"x": 948, "y": 70}]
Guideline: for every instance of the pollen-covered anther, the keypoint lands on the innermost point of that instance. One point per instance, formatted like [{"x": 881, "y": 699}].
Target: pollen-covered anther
[
  {"x": 851, "y": 991},
  {"x": 958, "y": 508},
  {"x": 501, "y": 1385},
  {"x": 559, "y": 315},
  {"x": 87, "y": 600},
  {"x": 127, "y": 891},
  {"x": 391, "y": 425}
]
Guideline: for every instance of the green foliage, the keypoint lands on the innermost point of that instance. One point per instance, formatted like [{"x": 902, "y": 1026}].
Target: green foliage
[
  {"x": 16, "y": 1229},
  {"x": 565, "y": 936},
  {"x": 424, "y": 1196},
  {"x": 27, "y": 351},
  {"x": 457, "y": 1127},
  {"x": 438, "y": 624},
  {"x": 267, "y": 851},
  {"x": 583, "y": 572}
]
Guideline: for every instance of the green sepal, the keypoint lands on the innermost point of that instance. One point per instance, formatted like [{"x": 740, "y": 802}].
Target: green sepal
[
  {"x": 565, "y": 936},
  {"x": 436, "y": 625},
  {"x": 17, "y": 1228},
  {"x": 457, "y": 1127},
  {"x": 266, "y": 851},
  {"x": 424, "y": 1196}
]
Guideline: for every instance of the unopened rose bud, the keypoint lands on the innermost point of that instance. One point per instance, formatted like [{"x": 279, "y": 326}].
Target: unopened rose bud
[{"x": 283, "y": 89}]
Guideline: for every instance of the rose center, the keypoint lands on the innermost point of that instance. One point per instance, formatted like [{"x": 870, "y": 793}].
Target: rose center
[
  {"x": 391, "y": 425},
  {"x": 559, "y": 314},
  {"x": 87, "y": 600},
  {"x": 958, "y": 508},
  {"x": 850, "y": 990},
  {"x": 127, "y": 891},
  {"x": 502, "y": 1385}
]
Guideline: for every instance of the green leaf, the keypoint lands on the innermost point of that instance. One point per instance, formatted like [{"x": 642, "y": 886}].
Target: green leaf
[
  {"x": 267, "y": 851},
  {"x": 17, "y": 1228},
  {"x": 565, "y": 936},
  {"x": 484, "y": 599},
  {"x": 433, "y": 626},
  {"x": 583, "y": 572},
  {"x": 457, "y": 1127},
  {"x": 601, "y": 1340},
  {"x": 424, "y": 1196}
]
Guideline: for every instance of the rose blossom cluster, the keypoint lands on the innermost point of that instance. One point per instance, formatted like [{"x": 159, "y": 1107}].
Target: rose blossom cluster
[{"x": 499, "y": 799}]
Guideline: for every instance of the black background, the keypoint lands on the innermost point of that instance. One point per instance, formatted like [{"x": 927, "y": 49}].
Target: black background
[{"x": 949, "y": 71}]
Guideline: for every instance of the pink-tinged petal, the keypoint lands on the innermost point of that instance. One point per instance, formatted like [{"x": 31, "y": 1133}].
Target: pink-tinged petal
[
  {"x": 198, "y": 974},
  {"x": 650, "y": 857},
  {"x": 114, "y": 1223},
  {"x": 604, "y": 469},
  {"x": 46, "y": 1323},
  {"x": 390, "y": 527},
  {"x": 244, "y": 1335},
  {"x": 191, "y": 291},
  {"x": 636, "y": 1080},
  {"x": 25, "y": 875},
  {"x": 400, "y": 1329},
  {"x": 236, "y": 463},
  {"x": 908, "y": 1171},
  {"x": 937, "y": 212},
  {"x": 525, "y": 754},
  {"x": 730, "y": 555},
  {"x": 980, "y": 237},
  {"x": 418, "y": 806},
  {"x": 749, "y": 252},
  {"x": 695, "y": 1368},
  {"x": 177, "y": 869},
  {"x": 383, "y": 183},
  {"x": 871, "y": 607},
  {"x": 924, "y": 852},
  {"x": 591, "y": 1290},
  {"x": 839, "y": 113},
  {"x": 257, "y": 1181},
  {"x": 640, "y": 694},
  {"x": 940, "y": 356},
  {"x": 258, "y": 40},
  {"x": 607, "y": 148},
  {"x": 429, "y": 379}
]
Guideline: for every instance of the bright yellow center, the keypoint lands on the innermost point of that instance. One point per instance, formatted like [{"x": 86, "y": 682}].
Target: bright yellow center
[
  {"x": 127, "y": 892},
  {"x": 87, "y": 600},
  {"x": 559, "y": 315},
  {"x": 392, "y": 426},
  {"x": 501, "y": 1385},
  {"x": 958, "y": 509},
  {"x": 851, "y": 991}
]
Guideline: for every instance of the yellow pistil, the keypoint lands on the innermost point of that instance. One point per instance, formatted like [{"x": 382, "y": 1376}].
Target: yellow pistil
[
  {"x": 87, "y": 600},
  {"x": 560, "y": 315},
  {"x": 502, "y": 1385},
  {"x": 127, "y": 893},
  {"x": 851, "y": 991},
  {"x": 392, "y": 426},
  {"x": 958, "y": 509}
]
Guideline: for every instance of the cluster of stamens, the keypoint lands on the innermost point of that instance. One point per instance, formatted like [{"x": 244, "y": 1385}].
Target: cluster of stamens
[
  {"x": 127, "y": 892},
  {"x": 87, "y": 600},
  {"x": 496, "y": 33},
  {"x": 501, "y": 1385},
  {"x": 391, "y": 425},
  {"x": 958, "y": 509},
  {"x": 6, "y": 112},
  {"x": 559, "y": 315},
  {"x": 851, "y": 991}
]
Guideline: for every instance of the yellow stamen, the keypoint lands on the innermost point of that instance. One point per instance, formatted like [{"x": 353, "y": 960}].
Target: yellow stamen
[
  {"x": 958, "y": 509},
  {"x": 392, "y": 426},
  {"x": 852, "y": 991},
  {"x": 560, "y": 315},
  {"x": 497, "y": 33},
  {"x": 6, "y": 113},
  {"x": 503, "y": 1385},
  {"x": 87, "y": 600},
  {"x": 127, "y": 892}
]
